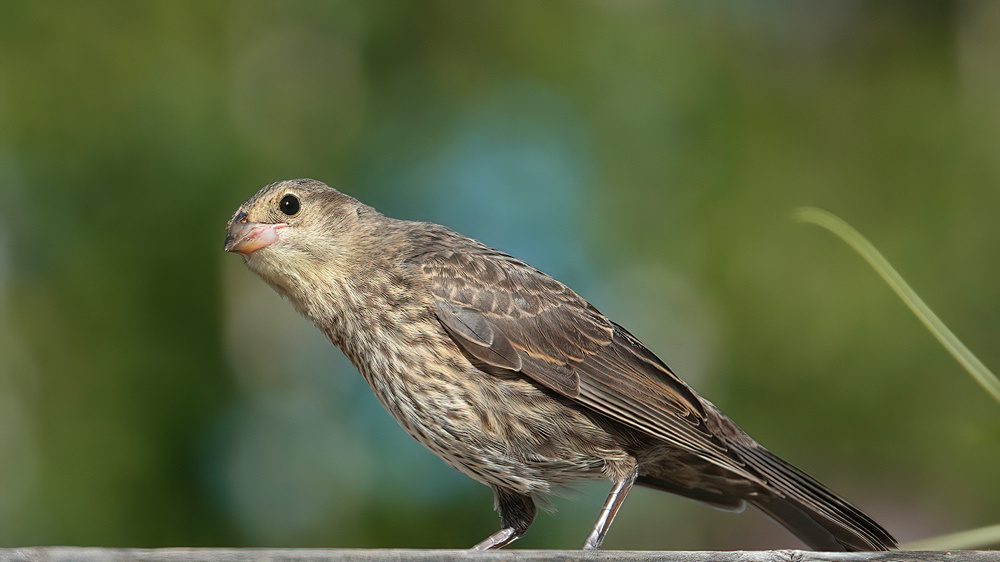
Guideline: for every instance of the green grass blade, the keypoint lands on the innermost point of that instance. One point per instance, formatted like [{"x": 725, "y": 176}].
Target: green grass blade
[
  {"x": 964, "y": 540},
  {"x": 970, "y": 362}
]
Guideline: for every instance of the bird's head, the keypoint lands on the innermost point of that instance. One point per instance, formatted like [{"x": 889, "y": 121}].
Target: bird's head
[{"x": 295, "y": 230}]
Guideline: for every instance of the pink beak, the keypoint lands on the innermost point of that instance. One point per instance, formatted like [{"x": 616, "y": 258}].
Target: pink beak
[{"x": 247, "y": 237}]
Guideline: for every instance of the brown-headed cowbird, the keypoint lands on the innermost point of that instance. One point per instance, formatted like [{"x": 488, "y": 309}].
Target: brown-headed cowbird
[{"x": 510, "y": 376}]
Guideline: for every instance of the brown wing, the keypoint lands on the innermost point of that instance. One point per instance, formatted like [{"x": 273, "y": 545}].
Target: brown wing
[{"x": 515, "y": 318}]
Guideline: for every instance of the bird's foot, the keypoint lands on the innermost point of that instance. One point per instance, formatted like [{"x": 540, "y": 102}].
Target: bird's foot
[{"x": 499, "y": 539}]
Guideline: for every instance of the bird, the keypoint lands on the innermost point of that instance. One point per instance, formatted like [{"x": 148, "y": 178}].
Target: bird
[{"x": 510, "y": 376}]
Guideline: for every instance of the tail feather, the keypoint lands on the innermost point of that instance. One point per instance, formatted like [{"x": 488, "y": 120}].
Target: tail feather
[
  {"x": 715, "y": 498},
  {"x": 814, "y": 514}
]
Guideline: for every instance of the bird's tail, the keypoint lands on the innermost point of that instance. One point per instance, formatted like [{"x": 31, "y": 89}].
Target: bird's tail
[{"x": 814, "y": 514}]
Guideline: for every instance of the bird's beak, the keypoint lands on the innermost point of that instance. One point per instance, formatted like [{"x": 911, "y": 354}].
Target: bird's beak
[{"x": 248, "y": 237}]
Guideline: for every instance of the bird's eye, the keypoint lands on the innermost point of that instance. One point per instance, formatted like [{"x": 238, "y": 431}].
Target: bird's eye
[{"x": 289, "y": 205}]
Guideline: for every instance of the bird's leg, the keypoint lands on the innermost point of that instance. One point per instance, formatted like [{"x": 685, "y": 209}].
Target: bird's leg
[
  {"x": 516, "y": 513},
  {"x": 610, "y": 509}
]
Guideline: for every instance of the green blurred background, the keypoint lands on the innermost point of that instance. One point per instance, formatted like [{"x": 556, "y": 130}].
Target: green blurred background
[{"x": 650, "y": 154}]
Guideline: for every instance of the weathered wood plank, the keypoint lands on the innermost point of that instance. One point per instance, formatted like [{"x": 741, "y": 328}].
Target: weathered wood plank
[{"x": 94, "y": 554}]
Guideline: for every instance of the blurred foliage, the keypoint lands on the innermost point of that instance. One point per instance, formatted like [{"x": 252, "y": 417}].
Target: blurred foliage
[{"x": 153, "y": 392}]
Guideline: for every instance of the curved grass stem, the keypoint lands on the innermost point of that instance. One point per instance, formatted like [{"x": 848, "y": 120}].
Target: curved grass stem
[{"x": 970, "y": 362}]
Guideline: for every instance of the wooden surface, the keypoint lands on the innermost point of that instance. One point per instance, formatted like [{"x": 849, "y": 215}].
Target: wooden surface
[{"x": 93, "y": 554}]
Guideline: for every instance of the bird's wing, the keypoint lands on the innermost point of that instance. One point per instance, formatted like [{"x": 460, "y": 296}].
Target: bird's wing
[{"x": 511, "y": 317}]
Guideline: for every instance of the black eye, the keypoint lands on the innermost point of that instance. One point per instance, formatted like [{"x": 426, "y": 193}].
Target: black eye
[{"x": 289, "y": 205}]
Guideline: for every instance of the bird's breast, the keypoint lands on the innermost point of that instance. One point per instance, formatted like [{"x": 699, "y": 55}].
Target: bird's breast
[{"x": 502, "y": 431}]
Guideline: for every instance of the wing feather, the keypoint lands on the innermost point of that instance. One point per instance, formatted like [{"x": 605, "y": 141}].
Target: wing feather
[{"x": 513, "y": 317}]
